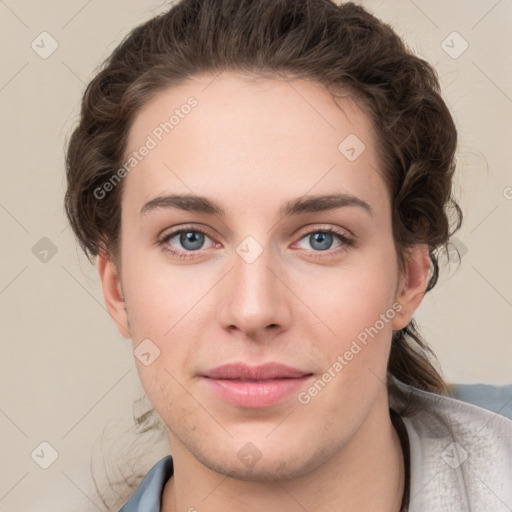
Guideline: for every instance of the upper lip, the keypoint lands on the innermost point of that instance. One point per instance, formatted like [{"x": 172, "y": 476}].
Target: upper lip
[{"x": 242, "y": 371}]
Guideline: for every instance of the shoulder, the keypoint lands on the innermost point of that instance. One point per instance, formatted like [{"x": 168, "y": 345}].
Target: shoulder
[
  {"x": 461, "y": 455},
  {"x": 148, "y": 495}
]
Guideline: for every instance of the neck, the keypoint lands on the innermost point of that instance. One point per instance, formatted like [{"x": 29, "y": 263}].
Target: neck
[{"x": 367, "y": 474}]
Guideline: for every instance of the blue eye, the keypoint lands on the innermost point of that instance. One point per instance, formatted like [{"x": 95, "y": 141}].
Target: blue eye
[
  {"x": 189, "y": 239},
  {"x": 188, "y": 242},
  {"x": 322, "y": 240}
]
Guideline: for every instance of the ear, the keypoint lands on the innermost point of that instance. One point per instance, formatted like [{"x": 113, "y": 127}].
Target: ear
[
  {"x": 412, "y": 284},
  {"x": 113, "y": 292}
]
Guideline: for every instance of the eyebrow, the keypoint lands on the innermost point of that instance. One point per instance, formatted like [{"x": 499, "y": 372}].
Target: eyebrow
[{"x": 300, "y": 205}]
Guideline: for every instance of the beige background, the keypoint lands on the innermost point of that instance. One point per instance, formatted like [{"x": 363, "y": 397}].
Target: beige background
[{"x": 65, "y": 370}]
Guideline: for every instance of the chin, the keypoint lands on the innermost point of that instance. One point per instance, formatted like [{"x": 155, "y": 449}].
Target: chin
[
  {"x": 268, "y": 463},
  {"x": 261, "y": 471}
]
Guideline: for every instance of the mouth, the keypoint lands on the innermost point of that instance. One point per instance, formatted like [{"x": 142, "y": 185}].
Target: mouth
[{"x": 255, "y": 386}]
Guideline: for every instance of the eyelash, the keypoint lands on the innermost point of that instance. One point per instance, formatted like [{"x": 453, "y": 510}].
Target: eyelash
[{"x": 346, "y": 242}]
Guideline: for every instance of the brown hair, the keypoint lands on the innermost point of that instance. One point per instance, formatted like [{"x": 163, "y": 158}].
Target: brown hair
[{"x": 342, "y": 47}]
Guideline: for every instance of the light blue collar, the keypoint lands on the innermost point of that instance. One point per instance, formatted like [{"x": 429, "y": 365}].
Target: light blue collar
[{"x": 148, "y": 495}]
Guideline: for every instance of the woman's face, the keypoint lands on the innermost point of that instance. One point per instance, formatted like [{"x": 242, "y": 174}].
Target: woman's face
[{"x": 276, "y": 277}]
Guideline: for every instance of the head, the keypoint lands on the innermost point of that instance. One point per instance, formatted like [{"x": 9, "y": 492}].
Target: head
[{"x": 248, "y": 111}]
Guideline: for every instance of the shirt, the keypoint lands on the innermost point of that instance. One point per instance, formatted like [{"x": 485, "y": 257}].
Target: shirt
[{"x": 457, "y": 457}]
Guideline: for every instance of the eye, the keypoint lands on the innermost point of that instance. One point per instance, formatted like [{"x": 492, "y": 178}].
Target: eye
[
  {"x": 186, "y": 242},
  {"x": 183, "y": 241},
  {"x": 321, "y": 240}
]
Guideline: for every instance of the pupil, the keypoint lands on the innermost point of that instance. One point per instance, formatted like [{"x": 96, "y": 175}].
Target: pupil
[
  {"x": 322, "y": 237},
  {"x": 191, "y": 240}
]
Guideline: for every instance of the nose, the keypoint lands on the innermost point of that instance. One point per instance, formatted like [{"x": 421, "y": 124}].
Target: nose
[{"x": 254, "y": 297}]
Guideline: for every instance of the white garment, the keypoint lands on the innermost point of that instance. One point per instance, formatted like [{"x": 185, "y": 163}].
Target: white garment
[{"x": 460, "y": 455}]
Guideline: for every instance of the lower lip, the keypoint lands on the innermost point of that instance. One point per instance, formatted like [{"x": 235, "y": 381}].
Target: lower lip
[{"x": 255, "y": 393}]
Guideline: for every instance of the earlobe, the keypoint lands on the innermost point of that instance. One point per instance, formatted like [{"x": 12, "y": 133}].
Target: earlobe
[
  {"x": 113, "y": 293},
  {"x": 412, "y": 285}
]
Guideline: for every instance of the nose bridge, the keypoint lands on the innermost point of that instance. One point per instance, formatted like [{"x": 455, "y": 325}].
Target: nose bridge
[{"x": 254, "y": 299}]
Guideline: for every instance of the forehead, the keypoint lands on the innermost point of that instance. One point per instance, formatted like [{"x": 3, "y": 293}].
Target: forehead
[{"x": 243, "y": 138}]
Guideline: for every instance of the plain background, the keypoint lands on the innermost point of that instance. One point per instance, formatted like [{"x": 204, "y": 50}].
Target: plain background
[{"x": 65, "y": 370}]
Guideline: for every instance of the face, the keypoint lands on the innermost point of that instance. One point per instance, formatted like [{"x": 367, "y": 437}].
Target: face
[{"x": 257, "y": 271}]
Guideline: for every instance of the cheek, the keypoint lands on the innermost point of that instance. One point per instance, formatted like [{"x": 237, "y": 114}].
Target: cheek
[
  {"x": 354, "y": 295},
  {"x": 358, "y": 308},
  {"x": 164, "y": 390},
  {"x": 158, "y": 296},
  {"x": 162, "y": 306}
]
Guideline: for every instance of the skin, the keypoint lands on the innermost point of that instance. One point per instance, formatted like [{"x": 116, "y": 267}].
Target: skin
[{"x": 252, "y": 144}]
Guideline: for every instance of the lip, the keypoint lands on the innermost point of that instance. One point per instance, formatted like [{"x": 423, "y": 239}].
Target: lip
[{"x": 255, "y": 386}]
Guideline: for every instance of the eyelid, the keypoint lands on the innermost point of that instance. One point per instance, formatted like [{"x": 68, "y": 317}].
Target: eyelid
[
  {"x": 173, "y": 230},
  {"x": 329, "y": 228}
]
